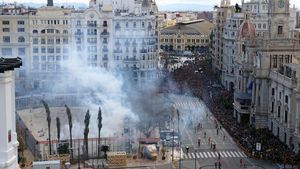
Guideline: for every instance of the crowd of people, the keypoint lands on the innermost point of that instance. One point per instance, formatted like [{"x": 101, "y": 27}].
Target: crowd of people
[{"x": 200, "y": 84}]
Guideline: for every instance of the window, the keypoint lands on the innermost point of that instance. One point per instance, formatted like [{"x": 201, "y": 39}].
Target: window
[
  {"x": 43, "y": 58},
  {"x": 21, "y": 29},
  {"x": 6, "y": 39},
  {"x": 21, "y": 51},
  {"x": 286, "y": 99},
  {"x": 280, "y": 30},
  {"x": 50, "y": 58},
  {"x": 65, "y": 40},
  {"x": 5, "y": 29},
  {"x": 58, "y": 50},
  {"x": 9, "y": 136},
  {"x": 58, "y": 58},
  {"x": 43, "y": 41},
  {"x": 21, "y": 39},
  {"x": 50, "y": 41},
  {"x": 286, "y": 116},
  {"x": 65, "y": 32},
  {"x": 278, "y": 112},
  {"x": 35, "y": 31},
  {"x": 35, "y": 41},
  {"x": 35, "y": 50},
  {"x": 5, "y": 22},
  {"x": 35, "y": 58},
  {"x": 57, "y": 40},
  {"x": 21, "y": 22},
  {"x": 272, "y": 108},
  {"x": 50, "y": 50},
  {"x": 6, "y": 51},
  {"x": 43, "y": 50}
]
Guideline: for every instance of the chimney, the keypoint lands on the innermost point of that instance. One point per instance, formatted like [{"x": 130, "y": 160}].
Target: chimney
[{"x": 50, "y": 3}]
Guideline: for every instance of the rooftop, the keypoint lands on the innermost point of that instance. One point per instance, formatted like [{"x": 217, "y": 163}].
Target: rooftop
[
  {"x": 9, "y": 64},
  {"x": 193, "y": 27}
]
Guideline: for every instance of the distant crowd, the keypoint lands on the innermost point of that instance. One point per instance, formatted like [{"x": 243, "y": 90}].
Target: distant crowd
[{"x": 198, "y": 79}]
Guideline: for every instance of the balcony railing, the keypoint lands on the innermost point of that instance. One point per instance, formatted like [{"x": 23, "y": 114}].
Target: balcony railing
[
  {"x": 118, "y": 51},
  {"x": 104, "y": 33},
  {"x": 143, "y": 51}
]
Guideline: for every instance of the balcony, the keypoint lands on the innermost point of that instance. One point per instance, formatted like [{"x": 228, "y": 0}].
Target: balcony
[
  {"x": 105, "y": 50},
  {"x": 105, "y": 41},
  {"x": 143, "y": 51},
  {"x": 78, "y": 33},
  {"x": 131, "y": 60},
  {"x": 92, "y": 24},
  {"x": 104, "y": 33},
  {"x": 117, "y": 27},
  {"x": 105, "y": 58},
  {"x": 117, "y": 51}
]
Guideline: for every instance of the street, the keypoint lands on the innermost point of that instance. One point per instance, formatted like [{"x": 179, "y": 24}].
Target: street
[{"x": 198, "y": 125}]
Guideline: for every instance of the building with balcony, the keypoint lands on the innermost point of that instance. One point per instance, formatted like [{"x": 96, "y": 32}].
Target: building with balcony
[
  {"x": 260, "y": 44},
  {"x": 47, "y": 37}
]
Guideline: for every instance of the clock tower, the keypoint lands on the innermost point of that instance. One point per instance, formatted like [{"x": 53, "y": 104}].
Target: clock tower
[{"x": 279, "y": 19}]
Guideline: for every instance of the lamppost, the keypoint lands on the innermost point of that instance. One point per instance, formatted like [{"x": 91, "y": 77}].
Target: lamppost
[{"x": 195, "y": 159}]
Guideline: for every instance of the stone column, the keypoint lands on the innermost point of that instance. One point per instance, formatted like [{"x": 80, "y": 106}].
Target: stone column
[{"x": 8, "y": 136}]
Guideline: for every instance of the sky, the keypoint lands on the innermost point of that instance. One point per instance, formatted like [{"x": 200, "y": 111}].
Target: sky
[{"x": 159, "y": 2}]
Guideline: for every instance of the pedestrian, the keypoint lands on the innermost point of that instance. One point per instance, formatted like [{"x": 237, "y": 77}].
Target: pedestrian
[
  {"x": 211, "y": 145},
  {"x": 216, "y": 165},
  {"x": 220, "y": 165},
  {"x": 217, "y": 131},
  {"x": 224, "y": 137},
  {"x": 199, "y": 142},
  {"x": 204, "y": 134},
  {"x": 187, "y": 149},
  {"x": 241, "y": 162},
  {"x": 208, "y": 140},
  {"x": 219, "y": 156}
]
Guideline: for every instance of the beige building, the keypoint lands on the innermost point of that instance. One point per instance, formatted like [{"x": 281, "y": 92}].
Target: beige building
[{"x": 187, "y": 36}]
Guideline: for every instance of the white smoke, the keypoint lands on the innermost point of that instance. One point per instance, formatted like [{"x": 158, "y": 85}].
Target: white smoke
[{"x": 105, "y": 88}]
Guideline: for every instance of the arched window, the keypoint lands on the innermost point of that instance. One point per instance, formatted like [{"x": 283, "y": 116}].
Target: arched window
[
  {"x": 35, "y": 31},
  {"x": 21, "y": 39}
]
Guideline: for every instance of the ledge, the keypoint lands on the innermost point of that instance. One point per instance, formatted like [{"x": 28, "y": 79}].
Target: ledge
[{"x": 7, "y": 64}]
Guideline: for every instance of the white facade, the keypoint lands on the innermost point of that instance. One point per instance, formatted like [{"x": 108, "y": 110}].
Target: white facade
[
  {"x": 108, "y": 34},
  {"x": 8, "y": 136}
]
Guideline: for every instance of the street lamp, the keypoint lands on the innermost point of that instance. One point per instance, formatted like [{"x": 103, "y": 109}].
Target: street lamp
[{"x": 195, "y": 159}]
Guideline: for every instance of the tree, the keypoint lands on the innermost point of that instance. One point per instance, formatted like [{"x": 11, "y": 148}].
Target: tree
[
  {"x": 58, "y": 129},
  {"x": 105, "y": 149},
  {"x": 69, "y": 114},
  {"x": 86, "y": 132},
  {"x": 99, "y": 129},
  {"x": 49, "y": 123}
]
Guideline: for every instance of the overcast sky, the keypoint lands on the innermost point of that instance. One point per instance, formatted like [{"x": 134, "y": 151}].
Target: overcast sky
[{"x": 159, "y": 2}]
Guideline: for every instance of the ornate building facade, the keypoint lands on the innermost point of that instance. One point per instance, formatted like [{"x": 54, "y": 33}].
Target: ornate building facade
[
  {"x": 261, "y": 67},
  {"x": 110, "y": 34}
]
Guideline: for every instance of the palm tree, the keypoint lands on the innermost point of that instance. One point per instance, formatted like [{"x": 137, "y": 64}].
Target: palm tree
[
  {"x": 86, "y": 132},
  {"x": 58, "y": 129},
  {"x": 105, "y": 149},
  {"x": 99, "y": 129},
  {"x": 69, "y": 114},
  {"x": 49, "y": 123}
]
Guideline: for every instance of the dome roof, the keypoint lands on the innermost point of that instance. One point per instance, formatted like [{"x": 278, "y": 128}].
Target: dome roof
[{"x": 247, "y": 29}]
